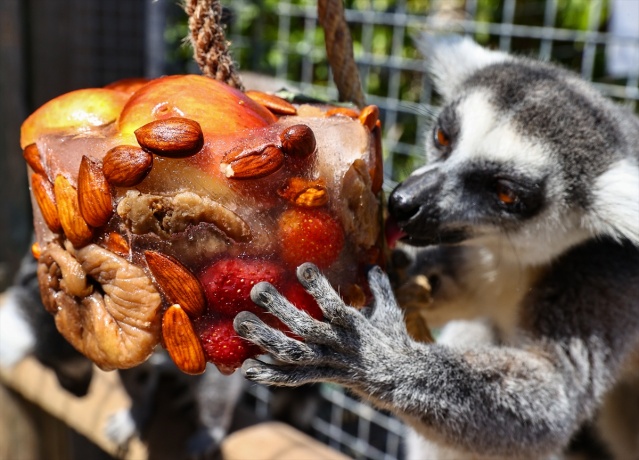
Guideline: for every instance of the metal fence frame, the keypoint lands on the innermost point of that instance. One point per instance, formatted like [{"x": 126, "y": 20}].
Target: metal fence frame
[{"x": 401, "y": 22}]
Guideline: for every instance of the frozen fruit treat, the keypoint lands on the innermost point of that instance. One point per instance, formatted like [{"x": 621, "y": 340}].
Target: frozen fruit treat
[{"x": 159, "y": 204}]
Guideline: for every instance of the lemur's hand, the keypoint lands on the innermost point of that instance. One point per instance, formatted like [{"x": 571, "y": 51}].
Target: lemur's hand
[{"x": 344, "y": 348}]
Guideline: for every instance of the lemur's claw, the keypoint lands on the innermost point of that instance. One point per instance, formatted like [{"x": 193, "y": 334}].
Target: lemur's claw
[
  {"x": 273, "y": 341},
  {"x": 291, "y": 375},
  {"x": 318, "y": 350}
]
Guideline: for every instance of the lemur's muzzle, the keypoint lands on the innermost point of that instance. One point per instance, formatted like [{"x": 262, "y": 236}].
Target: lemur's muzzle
[{"x": 413, "y": 205}]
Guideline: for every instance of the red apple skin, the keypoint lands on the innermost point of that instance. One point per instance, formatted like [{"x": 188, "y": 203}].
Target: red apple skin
[
  {"x": 194, "y": 96},
  {"x": 80, "y": 109},
  {"x": 128, "y": 85}
]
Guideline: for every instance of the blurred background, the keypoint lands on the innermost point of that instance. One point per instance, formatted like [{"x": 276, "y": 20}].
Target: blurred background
[{"x": 49, "y": 47}]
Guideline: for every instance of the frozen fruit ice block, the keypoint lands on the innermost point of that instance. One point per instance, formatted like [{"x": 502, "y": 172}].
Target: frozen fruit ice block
[{"x": 159, "y": 204}]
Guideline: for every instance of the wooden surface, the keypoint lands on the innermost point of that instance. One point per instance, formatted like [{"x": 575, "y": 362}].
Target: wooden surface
[
  {"x": 88, "y": 415},
  {"x": 275, "y": 441}
]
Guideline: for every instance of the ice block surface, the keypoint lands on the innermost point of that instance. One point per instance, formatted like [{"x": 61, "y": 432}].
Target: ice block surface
[{"x": 214, "y": 181}]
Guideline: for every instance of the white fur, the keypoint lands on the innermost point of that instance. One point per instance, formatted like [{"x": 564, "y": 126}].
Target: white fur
[
  {"x": 466, "y": 55},
  {"x": 487, "y": 134},
  {"x": 538, "y": 243},
  {"x": 465, "y": 334},
  {"x": 616, "y": 204},
  {"x": 424, "y": 169},
  {"x": 16, "y": 337},
  {"x": 120, "y": 427}
]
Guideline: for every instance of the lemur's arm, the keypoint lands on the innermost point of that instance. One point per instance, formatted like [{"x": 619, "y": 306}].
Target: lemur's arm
[{"x": 494, "y": 400}]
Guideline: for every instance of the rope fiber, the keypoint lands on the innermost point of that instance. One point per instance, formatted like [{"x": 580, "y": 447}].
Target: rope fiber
[
  {"x": 211, "y": 52},
  {"x": 210, "y": 47},
  {"x": 339, "y": 50}
]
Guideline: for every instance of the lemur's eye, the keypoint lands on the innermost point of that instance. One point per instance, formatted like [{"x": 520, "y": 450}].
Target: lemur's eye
[
  {"x": 441, "y": 138},
  {"x": 505, "y": 193}
]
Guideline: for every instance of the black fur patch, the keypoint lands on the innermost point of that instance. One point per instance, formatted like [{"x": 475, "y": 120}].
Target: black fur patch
[
  {"x": 479, "y": 181},
  {"x": 545, "y": 103}
]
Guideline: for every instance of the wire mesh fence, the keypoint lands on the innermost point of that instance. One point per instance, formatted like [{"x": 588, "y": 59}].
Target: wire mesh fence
[
  {"x": 342, "y": 422},
  {"x": 283, "y": 38},
  {"x": 598, "y": 39}
]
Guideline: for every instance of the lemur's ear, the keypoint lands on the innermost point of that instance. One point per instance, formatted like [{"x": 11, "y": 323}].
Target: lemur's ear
[{"x": 452, "y": 58}]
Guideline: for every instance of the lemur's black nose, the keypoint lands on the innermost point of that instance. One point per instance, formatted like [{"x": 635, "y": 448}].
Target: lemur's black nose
[
  {"x": 418, "y": 191},
  {"x": 402, "y": 205}
]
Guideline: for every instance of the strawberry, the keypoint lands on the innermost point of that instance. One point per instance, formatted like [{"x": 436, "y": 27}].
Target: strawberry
[
  {"x": 227, "y": 283},
  {"x": 310, "y": 235},
  {"x": 298, "y": 296},
  {"x": 295, "y": 294},
  {"x": 222, "y": 346}
]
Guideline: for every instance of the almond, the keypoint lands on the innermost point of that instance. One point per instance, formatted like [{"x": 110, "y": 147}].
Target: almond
[
  {"x": 117, "y": 244},
  {"x": 178, "y": 283},
  {"x": 36, "y": 251},
  {"x": 252, "y": 164},
  {"x": 45, "y": 197},
  {"x": 75, "y": 227},
  {"x": 126, "y": 165},
  {"x": 369, "y": 116},
  {"x": 354, "y": 296},
  {"x": 32, "y": 156},
  {"x": 274, "y": 103},
  {"x": 181, "y": 342},
  {"x": 417, "y": 326},
  {"x": 298, "y": 141},
  {"x": 342, "y": 112},
  {"x": 304, "y": 193},
  {"x": 171, "y": 137},
  {"x": 94, "y": 193}
]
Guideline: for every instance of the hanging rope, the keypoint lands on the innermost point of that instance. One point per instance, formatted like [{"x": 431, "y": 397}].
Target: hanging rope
[
  {"x": 339, "y": 50},
  {"x": 210, "y": 48}
]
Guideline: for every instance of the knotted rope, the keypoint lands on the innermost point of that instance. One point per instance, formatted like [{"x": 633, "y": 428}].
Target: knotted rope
[
  {"x": 339, "y": 50},
  {"x": 210, "y": 48}
]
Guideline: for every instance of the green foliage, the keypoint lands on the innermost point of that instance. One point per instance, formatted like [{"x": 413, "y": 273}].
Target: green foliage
[
  {"x": 274, "y": 37},
  {"x": 178, "y": 52}
]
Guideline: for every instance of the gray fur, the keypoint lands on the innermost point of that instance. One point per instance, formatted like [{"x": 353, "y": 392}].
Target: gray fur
[{"x": 552, "y": 274}]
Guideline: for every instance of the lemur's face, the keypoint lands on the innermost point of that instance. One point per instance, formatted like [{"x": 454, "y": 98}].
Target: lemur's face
[
  {"x": 483, "y": 178},
  {"x": 512, "y": 163}
]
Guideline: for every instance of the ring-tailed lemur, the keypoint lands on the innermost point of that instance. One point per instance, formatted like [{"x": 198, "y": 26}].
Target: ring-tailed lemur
[{"x": 533, "y": 170}]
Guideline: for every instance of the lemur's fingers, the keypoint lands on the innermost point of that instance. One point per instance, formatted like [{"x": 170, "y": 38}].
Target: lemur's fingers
[
  {"x": 284, "y": 375},
  {"x": 275, "y": 342},
  {"x": 385, "y": 311},
  {"x": 299, "y": 322},
  {"x": 334, "y": 309}
]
